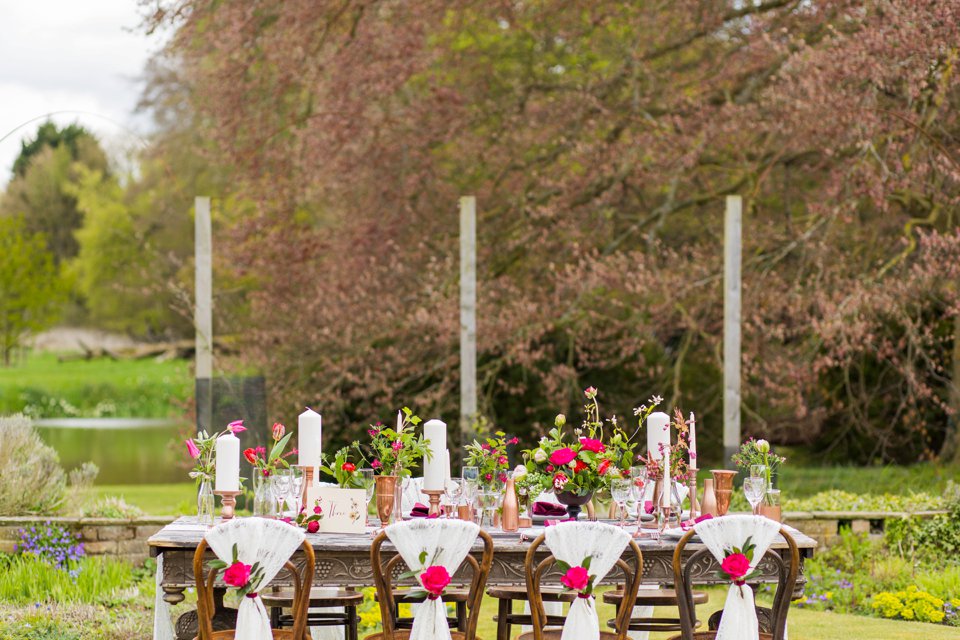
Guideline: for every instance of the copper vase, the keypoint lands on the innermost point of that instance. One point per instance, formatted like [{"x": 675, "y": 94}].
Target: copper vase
[
  {"x": 723, "y": 481},
  {"x": 387, "y": 489},
  {"x": 510, "y": 510}
]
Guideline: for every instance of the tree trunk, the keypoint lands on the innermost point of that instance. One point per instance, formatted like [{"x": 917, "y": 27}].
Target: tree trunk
[{"x": 950, "y": 452}]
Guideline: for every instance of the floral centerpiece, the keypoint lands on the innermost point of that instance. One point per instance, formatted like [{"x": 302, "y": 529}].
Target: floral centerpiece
[
  {"x": 575, "y": 468},
  {"x": 490, "y": 457},
  {"x": 341, "y": 469},
  {"x": 757, "y": 452}
]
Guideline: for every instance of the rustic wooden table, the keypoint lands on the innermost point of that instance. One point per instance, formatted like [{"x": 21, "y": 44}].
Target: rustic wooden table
[{"x": 344, "y": 560}]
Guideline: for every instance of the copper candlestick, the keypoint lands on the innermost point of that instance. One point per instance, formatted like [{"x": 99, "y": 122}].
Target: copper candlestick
[
  {"x": 658, "y": 487},
  {"x": 307, "y": 483},
  {"x": 229, "y": 504},
  {"x": 692, "y": 487},
  {"x": 434, "y": 495}
]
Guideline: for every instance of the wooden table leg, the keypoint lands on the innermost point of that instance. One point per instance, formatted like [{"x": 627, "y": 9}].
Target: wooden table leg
[
  {"x": 173, "y": 595},
  {"x": 504, "y": 609}
]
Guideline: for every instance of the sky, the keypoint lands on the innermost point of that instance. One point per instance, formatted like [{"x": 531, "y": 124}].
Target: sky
[{"x": 71, "y": 55}]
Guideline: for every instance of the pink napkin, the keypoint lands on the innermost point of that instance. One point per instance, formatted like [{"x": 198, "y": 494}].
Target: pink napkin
[
  {"x": 648, "y": 506},
  {"x": 422, "y": 511},
  {"x": 541, "y": 508},
  {"x": 686, "y": 525}
]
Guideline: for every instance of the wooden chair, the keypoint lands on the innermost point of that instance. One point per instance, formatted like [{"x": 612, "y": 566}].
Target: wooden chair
[
  {"x": 279, "y": 599},
  {"x": 787, "y": 573},
  {"x": 506, "y": 618},
  {"x": 302, "y": 579},
  {"x": 383, "y": 573},
  {"x": 534, "y": 573},
  {"x": 661, "y": 597},
  {"x": 457, "y": 597}
]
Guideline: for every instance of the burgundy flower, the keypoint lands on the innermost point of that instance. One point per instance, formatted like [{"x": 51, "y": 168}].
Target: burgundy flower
[
  {"x": 397, "y": 445},
  {"x": 485, "y": 447},
  {"x": 488, "y": 477},
  {"x": 559, "y": 481},
  {"x": 502, "y": 460},
  {"x": 514, "y": 440}
]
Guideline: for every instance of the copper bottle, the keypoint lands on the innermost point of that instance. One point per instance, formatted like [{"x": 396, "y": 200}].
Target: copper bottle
[{"x": 709, "y": 504}]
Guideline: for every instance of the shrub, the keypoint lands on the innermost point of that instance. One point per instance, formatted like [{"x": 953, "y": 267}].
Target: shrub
[
  {"x": 32, "y": 480},
  {"x": 930, "y": 540},
  {"x": 111, "y": 507},
  {"x": 836, "y": 500},
  {"x": 51, "y": 544},
  {"x": 83, "y": 476},
  {"x": 909, "y": 604}
]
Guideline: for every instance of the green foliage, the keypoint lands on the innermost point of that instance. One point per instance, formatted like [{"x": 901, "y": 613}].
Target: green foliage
[
  {"x": 30, "y": 285},
  {"x": 38, "y": 626},
  {"x": 933, "y": 540},
  {"x": 111, "y": 507},
  {"x": 25, "y": 579},
  {"x": 32, "y": 480},
  {"x": 49, "y": 135},
  {"x": 837, "y": 500}
]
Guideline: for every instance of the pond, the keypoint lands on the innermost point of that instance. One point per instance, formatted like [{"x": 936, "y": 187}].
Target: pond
[{"x": 127, "y": 450}]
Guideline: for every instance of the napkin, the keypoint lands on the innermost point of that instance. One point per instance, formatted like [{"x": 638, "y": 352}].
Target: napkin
[
  {"x": 648, "y": 506},
  {"x": 541, "y": 508},
  {"x": 686, "y": 525},
  {"x": 422, "y": 511}
]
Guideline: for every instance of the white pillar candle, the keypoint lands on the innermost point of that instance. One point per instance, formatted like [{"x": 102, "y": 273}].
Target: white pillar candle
[
  {"x": 693, "y": 441},
  {"x": 446, "y": 467},
  {"x": 310, "y": 440},
  {"x": 658, "y": 432},
  {"x": 435, "y": 431},
  {"x": 228, "y": 463}
]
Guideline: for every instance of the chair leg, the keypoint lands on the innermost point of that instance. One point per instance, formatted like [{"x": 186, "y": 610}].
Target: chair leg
[
  {"x": 462, "y": 616},
  {"x": 351, "y": 623},
  {"x": 275, "y": 617},
  {"x": 504, "y": 609}
]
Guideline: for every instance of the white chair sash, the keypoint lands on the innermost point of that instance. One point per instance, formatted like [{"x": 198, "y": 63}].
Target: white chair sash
[
  {"x": 571, "y": 542},
  {"x": 269, "y": 542},
  {"x": 739, "y": 621},
  {"x": 447, "y": 543}
]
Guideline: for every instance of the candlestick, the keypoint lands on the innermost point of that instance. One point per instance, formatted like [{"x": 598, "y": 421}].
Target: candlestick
[
  {"x": 228, "y": 504},
  {"x": 692, "y": 489},
  {"x": 307, "y": 483},
  {"x": 667, "y": 479},
  {"x": 228, "y": 463},
  {"x": 434, "y": 496},
  {"x": 434, "y": 468},
  {"x": 693, "y": 440},
  {"x": 658, "y": 433},
  {"x": 310, "y": 439}
]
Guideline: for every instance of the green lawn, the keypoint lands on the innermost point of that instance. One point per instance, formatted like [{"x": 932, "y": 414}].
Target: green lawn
[
  {"x": 153, "y": 499},
  {"x": 44, "y": 387}
]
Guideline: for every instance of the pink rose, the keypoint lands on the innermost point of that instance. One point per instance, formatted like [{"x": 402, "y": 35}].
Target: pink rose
[
  {"x": 237, "y": 575},
  {"x": 502, "y": 460},
  {"x": 575, "y": 578},
  {"x": 313, "y": 526},
  {"x": 236, "y": 426},
  {"x": 192, "y": 449},
  {"x": 563, "y": 456},
  {"x": 317, "y": 510},
  {"x": 502, "y": 477},
  {"x": 590, "y": 444},
  {"x": 375, "y": 464},
  {"x": 559, "y": 481},
  {"x": 488, "y": 477},
  {"x": 278, "y": 431},
  {"x": 435, "y": 579},
  {"x": 735, "y": 565}
]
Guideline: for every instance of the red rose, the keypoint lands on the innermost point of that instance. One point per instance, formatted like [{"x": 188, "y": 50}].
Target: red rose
[
  {"x": 550, "y": 468},
  {"x": 237, "y": 574},
  {"x": 589, "y": 444},
  {"x": 563, "y": 456},
  {"x": 435, "y": 579},
  {"x": 313, "y": 526},
  {"x": 603, "y": 467},
  {"x": 349, "y": 467},
  {"x": 581, "y": 465},
  {"x": 575, "y": 578},
  {"x": 250, "y": 455},
  {"x": 735, "y": 565},
  {"x": 502, "y": 460}
]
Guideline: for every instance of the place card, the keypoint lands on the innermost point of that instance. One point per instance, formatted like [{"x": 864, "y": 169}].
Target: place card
[{"x": 344, "y": 510}]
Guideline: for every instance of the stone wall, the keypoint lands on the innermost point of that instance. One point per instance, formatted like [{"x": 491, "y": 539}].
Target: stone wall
[
  {"x": 825, "y": 526},
  {"x": 123, "y": 538}
]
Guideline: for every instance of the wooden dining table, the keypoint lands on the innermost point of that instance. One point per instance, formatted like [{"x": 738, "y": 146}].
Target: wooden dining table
[{"x": 343, "y": 560}]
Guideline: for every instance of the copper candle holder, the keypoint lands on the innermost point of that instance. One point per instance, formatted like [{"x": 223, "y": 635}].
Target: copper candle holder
[
  {"x": 692, "y": 487},
  {"x": 434, "y": 495},
  {"x": 307, "y": 483},
  {"x": 229, "y": 504}
]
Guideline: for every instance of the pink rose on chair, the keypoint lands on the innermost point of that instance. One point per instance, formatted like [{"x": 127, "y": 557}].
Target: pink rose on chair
[
  {"x": 576, "y": 578},
  {"x": 562, "y": 456},
  {"x": 237, "y": 574},
  {"x": 434, "y": 580},
  {"x": 736, "y": 565}
]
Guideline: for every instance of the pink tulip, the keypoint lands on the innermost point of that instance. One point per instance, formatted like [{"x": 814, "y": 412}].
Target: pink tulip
[
  {"x": 236, "y": 426},
  {"x": 192, "y": 449}
]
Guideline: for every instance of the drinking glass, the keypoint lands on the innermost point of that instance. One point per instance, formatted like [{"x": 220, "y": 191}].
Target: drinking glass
[
  {"x": 368, "y": 482},
  {"x": 452, "y": 497},
  {"x": 281, "y": 489},
  {"x": 489, "y": 499},
  {"x": 470, "y": 489},
  {"x": 639, "y": 477},
  {"x": 620, "y": 490},
  {"x": 753, "y": 489},
  {"x": 758, "y": 471},
  {"x": 296, "y": 488}
]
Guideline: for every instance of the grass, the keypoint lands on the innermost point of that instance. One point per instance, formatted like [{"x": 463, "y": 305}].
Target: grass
[
  {"x": 41, "y": 386},
  {"x": 924, "y": 477},
  {"x": 26, "y": 580},
  {"x": 153, "y": 499}
]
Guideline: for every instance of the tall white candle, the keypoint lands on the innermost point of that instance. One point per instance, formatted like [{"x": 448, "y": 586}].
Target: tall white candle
[
  {"x": 310, "y": 439},
  {"x": 446, "y": 467},
  {"x": 667, "y": 480},
  {"x": 693, "y": 441},
  {"x": 658, "y": 432},
  {"x": 228, "y": 463},
  {"x": 434, "y": 469}
]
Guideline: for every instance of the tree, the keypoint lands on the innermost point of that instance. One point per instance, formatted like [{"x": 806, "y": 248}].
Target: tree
[
  {"x": 50, "y": 136},
  {"x": 31, "y": 289}
]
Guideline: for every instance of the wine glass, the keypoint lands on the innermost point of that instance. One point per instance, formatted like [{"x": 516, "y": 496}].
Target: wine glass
[
  {"x": 296, "y": 488},
  {"x": 281, "y": 489},
  {"x": 367, "y": 481},
  {"x": 451, "y": 493},
  {"x": 620, "y": 490},
  {"x": 753, "y": 489},
  {"x": 639, "y": 476}
]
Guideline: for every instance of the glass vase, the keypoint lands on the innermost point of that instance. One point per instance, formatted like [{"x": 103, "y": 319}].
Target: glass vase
[
  {"x": 264, "y": 504},
  {"x": 205, "y": 503}
]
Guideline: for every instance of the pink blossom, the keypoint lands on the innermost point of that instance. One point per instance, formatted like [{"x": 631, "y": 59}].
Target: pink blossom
[
  {"x": 236, "y": 426},
  {"x": 397, "y": 445},
  {"x": 502, "y": 460},
  {"x": 192, "y": 449},
  {"x": 375, "y": 464}
]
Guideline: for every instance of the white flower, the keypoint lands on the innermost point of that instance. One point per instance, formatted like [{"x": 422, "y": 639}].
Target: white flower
[
  {"x": 639, "y": 411},
  {"x": 519, "y": 472},
  {"x": 613, "y": 420},
  {"x": 543, "y": 440},
  {"x": 655, "y": 400},
  {"x": 540, "y": 455},
  {"x": 763, "y": 446},
  {"x": 560, "y": 420}
]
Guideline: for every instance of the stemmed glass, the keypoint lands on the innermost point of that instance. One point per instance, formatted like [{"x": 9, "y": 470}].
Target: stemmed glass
[
  {"x": 620, "y": 490},
  {"x": 471, "y": 485},
  {"x": 639, "y": 476},
  {"x": 452, "y": 493},
  {"x": 281, "y": 483},
  {"x": 367, "y": 481},
  {"x": 753, "y": 489},
  {"x": 296, "y": 488}
]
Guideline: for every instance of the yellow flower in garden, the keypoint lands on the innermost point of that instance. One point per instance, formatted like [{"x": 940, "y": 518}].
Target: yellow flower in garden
[
  {"x": 907, "y": 614},
  {"x": 829, "y": 595}
]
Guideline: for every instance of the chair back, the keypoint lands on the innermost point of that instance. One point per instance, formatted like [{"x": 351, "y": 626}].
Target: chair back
[
  {"x": 534, "y": 571},
  {"x": 385, "y": 568},
  {"x": 302, "y": 577},
  {"x": 787, "y": 572}
]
